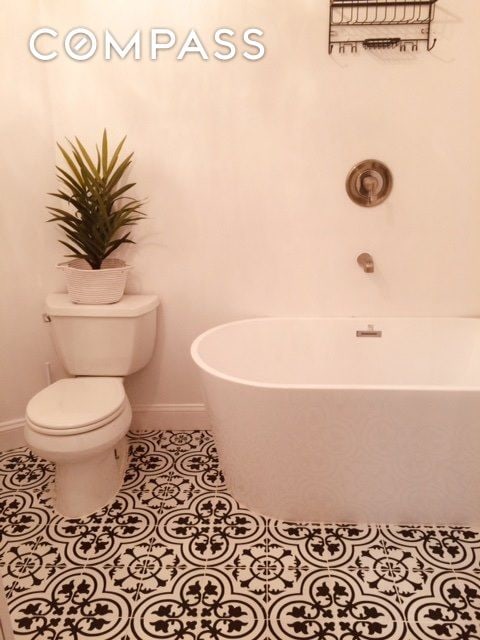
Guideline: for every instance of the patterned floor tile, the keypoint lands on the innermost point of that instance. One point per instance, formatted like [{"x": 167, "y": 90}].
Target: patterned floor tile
[
  {"x": 323, "y": 545},
  {"x": 18, "y": 451},
  {"x": 421, "y": 557},
  {"x": 265, "y": 569},
  {"x": 464, "y": 547},
  {"x": 332, "y": 605},
  {"x": 210, "y": 529},
  {"x": 152, "y": 435},
  {"x": 144, "y": 569},
  {"x": 21, "y": 519},
  {"x": 27, "y": 565},
  {"x": 16, "y": 468},
  {"x": 43, "y": 495},
  {"x": 77, "y": 538},
  {"x": 203, "y": 466},
  {"x": 124, "y": 524},
  {"x": 178, "y": 443},
  {"x": 146, "y": 459},
  {"x": 175, "y": 556},
  {"x": 65, "y": 544},
  {"x": 440, "y": 547},
  {"x": 201, "y": 605},
  {"x": 378, "y": 571},
  {"x": 41, "y": 481},
  {"x": 165, "y": 492},
  {"x": 76, "y": 604},
  {"x": 451, "y": 611}
]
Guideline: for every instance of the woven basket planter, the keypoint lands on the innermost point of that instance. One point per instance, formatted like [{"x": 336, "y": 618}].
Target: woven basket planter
[{"x": 95, "y": 286}]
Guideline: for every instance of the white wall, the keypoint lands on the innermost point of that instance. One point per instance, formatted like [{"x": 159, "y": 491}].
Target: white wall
[
  {"x": 27, "y": 246},
  {"x": 244, "y": 165}
]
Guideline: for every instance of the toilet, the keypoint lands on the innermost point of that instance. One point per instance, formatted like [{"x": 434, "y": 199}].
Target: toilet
[{"x": 80, "y": 423}]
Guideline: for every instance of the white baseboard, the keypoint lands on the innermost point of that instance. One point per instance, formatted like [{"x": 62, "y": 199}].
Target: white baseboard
[
  {"x": 11, "y": 434},
  {"x": 175, "y": 417}
]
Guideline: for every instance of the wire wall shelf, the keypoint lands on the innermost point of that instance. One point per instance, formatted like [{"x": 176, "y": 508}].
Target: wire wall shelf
[{"x": 381, "y": 24}]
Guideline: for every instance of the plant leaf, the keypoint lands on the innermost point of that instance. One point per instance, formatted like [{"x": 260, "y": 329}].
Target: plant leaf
[
  {"x": 97, "y": 207},
  {"x": 88, "y": 160},
  {"x": 104, "y": 152},
  {"x": 70, "y": 162},
  {"x": 114, "y": 159}
]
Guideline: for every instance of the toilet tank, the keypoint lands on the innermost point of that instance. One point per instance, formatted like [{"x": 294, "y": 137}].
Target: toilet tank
[{"x": 103, "y": 340}]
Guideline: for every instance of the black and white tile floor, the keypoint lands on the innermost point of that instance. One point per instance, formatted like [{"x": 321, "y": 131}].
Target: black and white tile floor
[{"x": 174, "y": 556}]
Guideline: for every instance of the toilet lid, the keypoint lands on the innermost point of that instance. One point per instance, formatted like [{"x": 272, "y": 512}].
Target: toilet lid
[{"x": 74, "y": 404}]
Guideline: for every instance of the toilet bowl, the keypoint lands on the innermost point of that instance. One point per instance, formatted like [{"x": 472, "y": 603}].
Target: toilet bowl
[{"x": 80, "y": 423}]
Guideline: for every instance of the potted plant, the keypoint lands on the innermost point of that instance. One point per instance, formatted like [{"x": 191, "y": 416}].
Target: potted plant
[{"x": 95, "y": 219}]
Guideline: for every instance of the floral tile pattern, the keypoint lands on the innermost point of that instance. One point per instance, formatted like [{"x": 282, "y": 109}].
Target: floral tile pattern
[
  {"x": 332, "y": 605},
  {"x": 175, "y": 556}
]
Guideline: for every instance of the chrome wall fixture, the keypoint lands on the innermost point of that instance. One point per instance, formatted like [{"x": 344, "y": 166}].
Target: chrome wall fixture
[
  {"x": 369, "y": 183},
  {"x": 381, "y": 24}
]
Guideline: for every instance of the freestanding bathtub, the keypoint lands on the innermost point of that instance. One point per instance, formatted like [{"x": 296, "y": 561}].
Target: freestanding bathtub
[{"x": 315, "y": 423}]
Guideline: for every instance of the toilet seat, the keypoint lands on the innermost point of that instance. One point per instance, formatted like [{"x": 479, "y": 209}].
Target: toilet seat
[{"x": 76, "y": 405}]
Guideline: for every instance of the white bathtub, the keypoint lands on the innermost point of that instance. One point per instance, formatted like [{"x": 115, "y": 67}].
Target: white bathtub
[{"x": 314, "y": 423}]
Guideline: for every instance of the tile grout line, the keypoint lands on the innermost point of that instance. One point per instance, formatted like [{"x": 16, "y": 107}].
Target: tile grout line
[
  {"x": 14, "y": 495},
  {"x": 204, "y": 566},
  {"x": 17, "y": 493},
  {"x": 169, "y": 476},
  {"x": 81, "y": 570},
  {"x": 405, "y": 602},
  {"x": 85, "y": 566},
  {"x": 331, "y": 569},
  {"x": 37, "y": 539},
  {"x": 400, "y": 598},
  {"x": 456, "y": 573}
]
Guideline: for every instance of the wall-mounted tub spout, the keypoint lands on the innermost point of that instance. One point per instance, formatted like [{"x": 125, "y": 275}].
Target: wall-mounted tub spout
[{"x": 365, "y": 260}]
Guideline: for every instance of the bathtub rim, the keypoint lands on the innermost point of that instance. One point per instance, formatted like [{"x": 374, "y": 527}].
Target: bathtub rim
[{"x": 200, "y": 362}]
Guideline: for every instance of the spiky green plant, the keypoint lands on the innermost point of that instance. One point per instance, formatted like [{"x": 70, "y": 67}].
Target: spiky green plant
[{"x": 97, "y": 211}]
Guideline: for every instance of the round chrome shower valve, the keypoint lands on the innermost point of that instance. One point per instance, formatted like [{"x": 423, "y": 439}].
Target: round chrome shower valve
[{"x": 369, "y": 183}]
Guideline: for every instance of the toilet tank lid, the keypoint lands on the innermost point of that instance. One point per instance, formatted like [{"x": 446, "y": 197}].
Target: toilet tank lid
[{"x": 130, "y": 306}]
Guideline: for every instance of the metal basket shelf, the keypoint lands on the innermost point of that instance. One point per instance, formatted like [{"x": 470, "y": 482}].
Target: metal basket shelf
[{"x": 401, "y": 23}]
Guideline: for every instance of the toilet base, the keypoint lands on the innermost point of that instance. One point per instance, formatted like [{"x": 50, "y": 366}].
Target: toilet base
[
  {"x": 83, "y": 487},
  {"x": 89, "y": 466}
]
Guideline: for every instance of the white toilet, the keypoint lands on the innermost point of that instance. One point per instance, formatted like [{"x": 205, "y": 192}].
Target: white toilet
[{"x": 80, "y": 423}]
